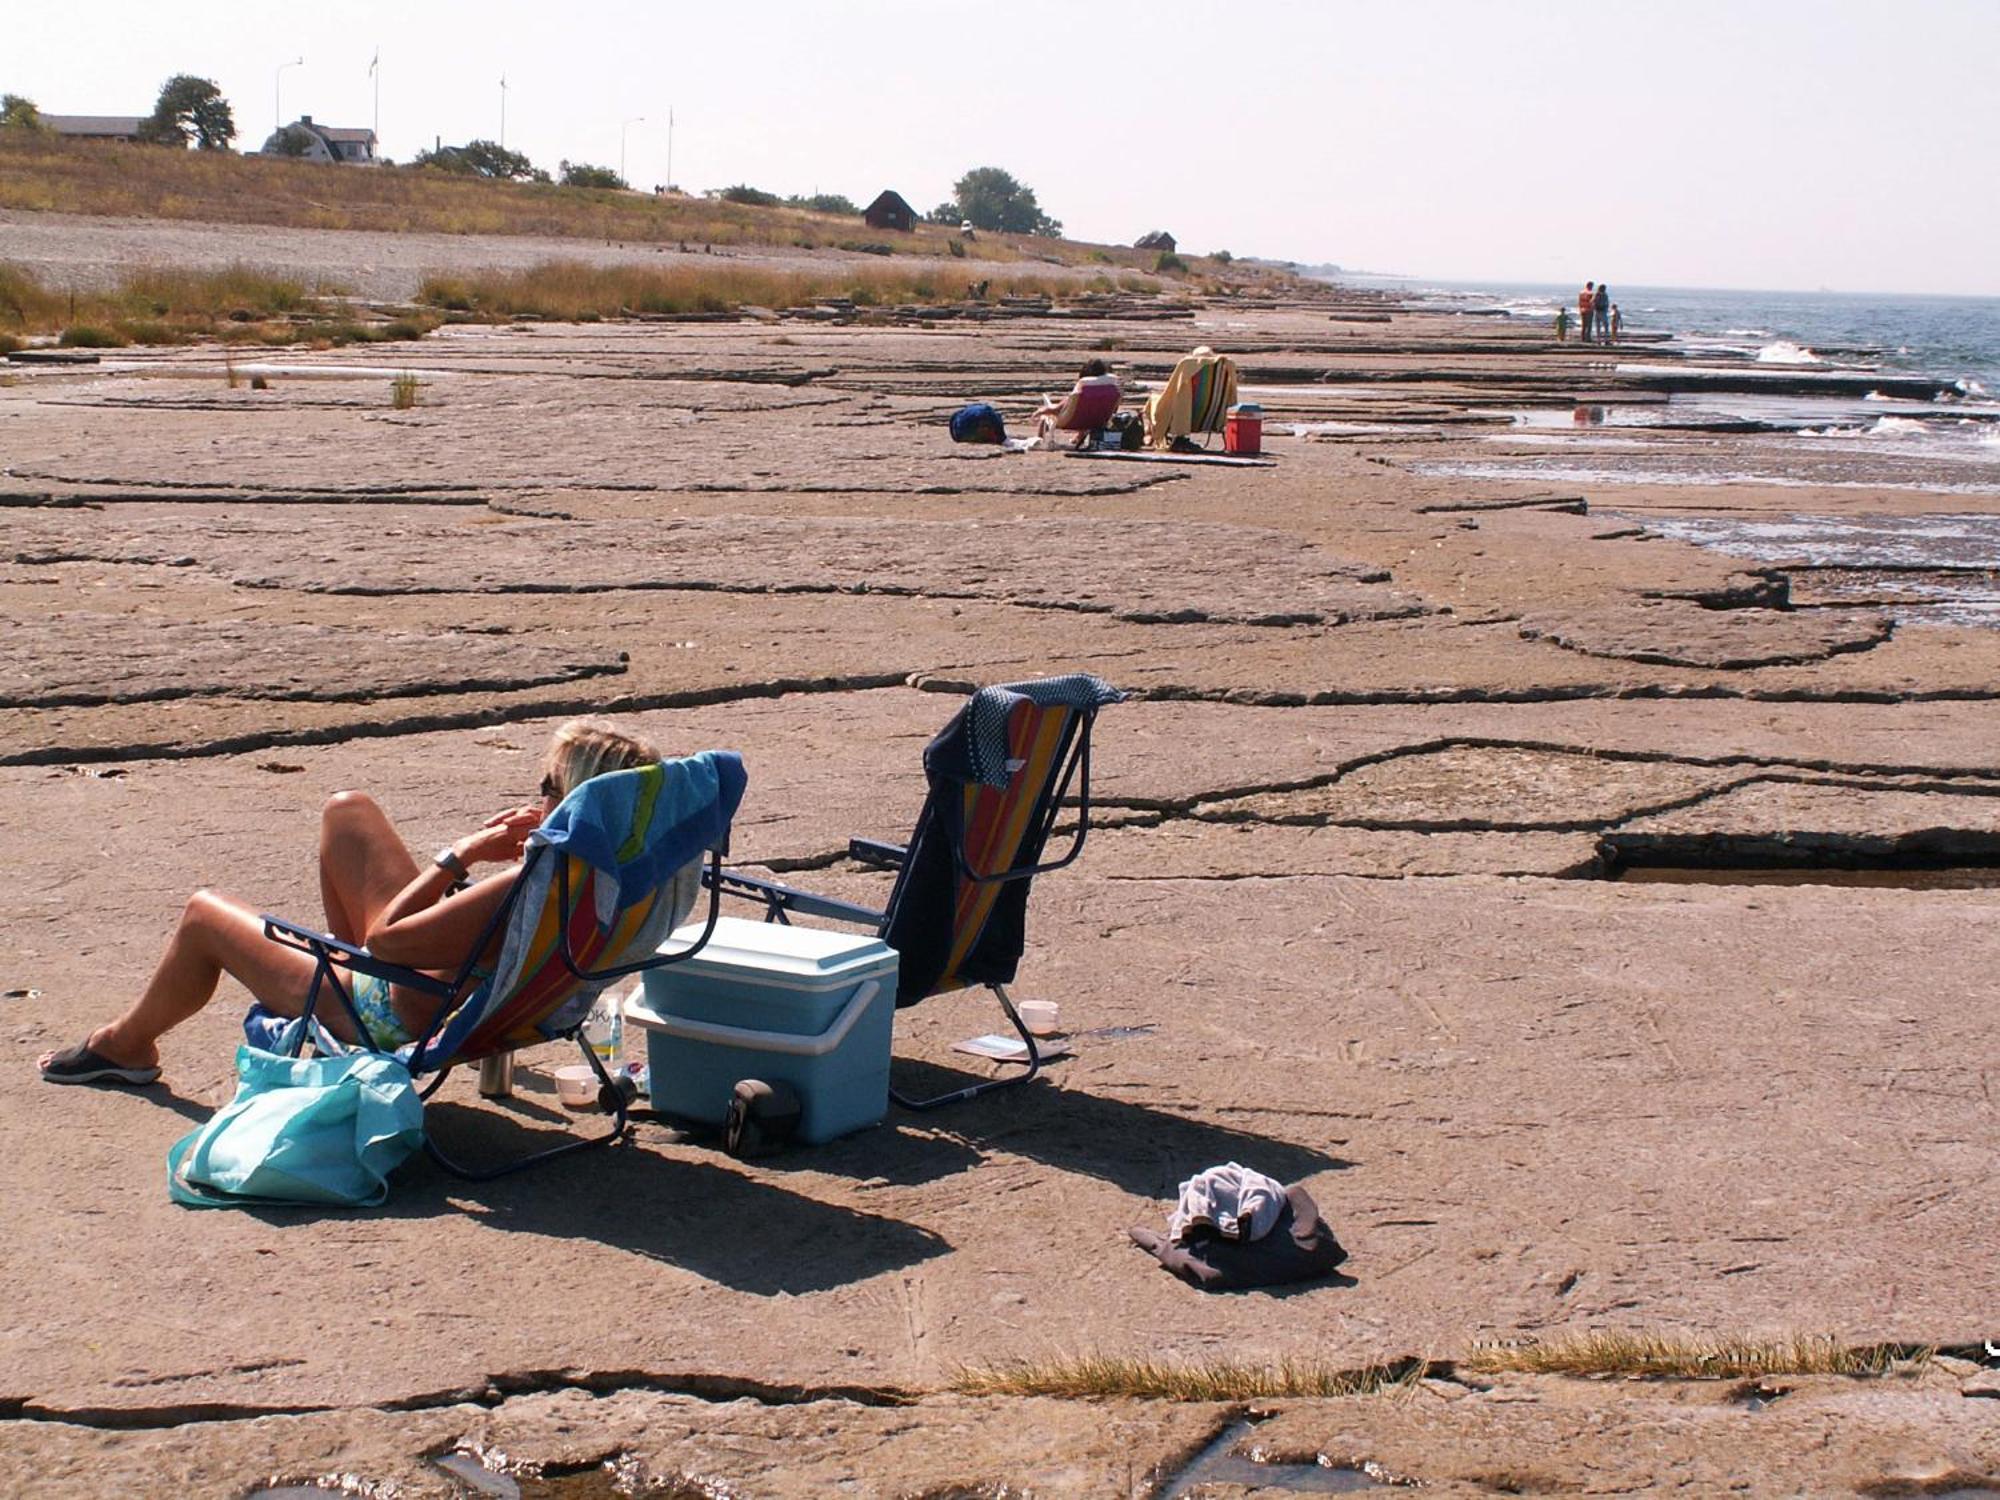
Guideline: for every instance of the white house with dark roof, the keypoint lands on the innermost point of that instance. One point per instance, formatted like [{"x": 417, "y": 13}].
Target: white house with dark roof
[
  {"x": 314, "y": 142},
  {"x": 95, "y": 127}
]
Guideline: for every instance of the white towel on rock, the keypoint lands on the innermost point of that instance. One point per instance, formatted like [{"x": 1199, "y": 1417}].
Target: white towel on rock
[{"x": 1233, "y": 1201}]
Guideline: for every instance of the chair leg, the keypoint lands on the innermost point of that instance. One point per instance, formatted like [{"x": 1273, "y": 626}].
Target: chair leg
[
  {"x": 618, "y": 1095},
  {"x": 989, "y": 1085}
]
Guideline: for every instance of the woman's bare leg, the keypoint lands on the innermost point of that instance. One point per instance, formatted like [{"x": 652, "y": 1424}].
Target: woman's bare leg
[
  {"x": 362, "y": 863},
  {"x": 216, "y": 935}
]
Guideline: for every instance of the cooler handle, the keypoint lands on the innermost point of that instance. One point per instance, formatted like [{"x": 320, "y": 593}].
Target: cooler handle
[{"x": 788, "y": 1042}]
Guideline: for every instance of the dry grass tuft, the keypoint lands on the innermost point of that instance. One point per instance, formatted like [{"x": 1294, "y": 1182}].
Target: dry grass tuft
[
  {"x": 574, "y": 292},
  {"x": 1675, "y": 1357},
  {"x": 1086, "y": 1377},
  {"x": 164, "y": 305},
  {"x": 403, "y": 392}
]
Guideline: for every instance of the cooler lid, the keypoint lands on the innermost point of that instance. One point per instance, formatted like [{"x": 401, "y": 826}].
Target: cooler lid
[{"x": 806, "y": 957}]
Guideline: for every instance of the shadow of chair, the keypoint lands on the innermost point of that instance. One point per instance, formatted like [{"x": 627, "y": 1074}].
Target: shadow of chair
[
  {"x": 709, "y": 1218},
  {"x": 1140, "y": 1148}
]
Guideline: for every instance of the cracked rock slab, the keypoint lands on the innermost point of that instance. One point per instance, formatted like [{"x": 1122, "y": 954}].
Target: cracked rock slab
[
  {"x": 1152, "y": 572},
  {"x": 632, "y": 1442},
  {"x": 140, "y": 659},
  {"x": 1819, "y": 1435},
  {"x": 1188, "y": 850},
  {"x": 1682, "y": 634},
  {"x": 1474, "y": 788},
  {"x": 1792, "y": 822}
]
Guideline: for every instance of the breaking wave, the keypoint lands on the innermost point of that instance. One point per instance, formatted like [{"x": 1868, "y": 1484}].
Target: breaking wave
[{"x": 1785, "y": 352}]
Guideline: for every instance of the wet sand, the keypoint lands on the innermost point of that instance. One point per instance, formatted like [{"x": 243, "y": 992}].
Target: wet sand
[{"x": 1346, "y": 871}]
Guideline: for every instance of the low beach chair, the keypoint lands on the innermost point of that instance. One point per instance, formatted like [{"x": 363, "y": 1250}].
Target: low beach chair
[
  {"x": 999, "y": 772},
  {"x": 1194, "y": 402},
  {"x": 606, "y": 878},
  {"x": 1088, "y": 409}
]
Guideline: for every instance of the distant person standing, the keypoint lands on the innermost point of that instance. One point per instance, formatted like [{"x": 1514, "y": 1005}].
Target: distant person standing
[
  {"x": 1562, "y": 325},
  {"x": 1586, "y": 307},
  {"x": 1601, "y": 302},
  {"x": 1615, "y": 322}
]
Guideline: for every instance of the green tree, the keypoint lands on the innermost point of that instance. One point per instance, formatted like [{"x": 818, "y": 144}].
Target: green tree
[
  {"x": 19, "y": 113},
  {"x": 742, "y": 192},
  {"x": 293, "y": 140},
  {"x": 190, "y": 109},
  {"x": 992, "y": 199},
  {"x": 826, "y": 203},
  {"x": 582, "y": 174},
  {"x": 483, "y": 159}
]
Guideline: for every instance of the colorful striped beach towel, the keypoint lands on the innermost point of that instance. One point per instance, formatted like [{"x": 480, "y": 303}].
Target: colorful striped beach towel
[{"x": 618, "y": 864}]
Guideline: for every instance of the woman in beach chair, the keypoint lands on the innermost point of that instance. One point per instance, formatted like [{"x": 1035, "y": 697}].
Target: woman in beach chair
[
  {"x": 376, "y": 895},
  {"x": 1077, "y": 419}
]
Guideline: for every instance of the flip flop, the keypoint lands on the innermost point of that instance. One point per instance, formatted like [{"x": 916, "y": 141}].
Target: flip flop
[{"x": 79, "y": 1064}]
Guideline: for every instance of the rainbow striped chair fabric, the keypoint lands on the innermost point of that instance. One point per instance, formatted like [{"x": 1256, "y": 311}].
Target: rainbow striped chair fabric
[
  {"x": 612, "y": 871},
  {"x": 1195, "y": 400},
  {"x": 1000, "y": 773}
]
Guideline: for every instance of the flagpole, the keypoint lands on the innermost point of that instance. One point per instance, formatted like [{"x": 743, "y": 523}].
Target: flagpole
[
  {"x": 670, "y": 148},
  {"x": 375, "y": 72},
  {"x": 503, "y": 111}
]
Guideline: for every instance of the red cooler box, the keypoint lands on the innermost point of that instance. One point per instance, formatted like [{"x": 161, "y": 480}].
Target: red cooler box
[{"x": 1243, "y": 430}]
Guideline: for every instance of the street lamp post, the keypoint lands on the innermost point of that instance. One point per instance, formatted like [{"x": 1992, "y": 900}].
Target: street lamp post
[
  {"x": 278, "y": 93},
  {"x": 635, "y": 120}
]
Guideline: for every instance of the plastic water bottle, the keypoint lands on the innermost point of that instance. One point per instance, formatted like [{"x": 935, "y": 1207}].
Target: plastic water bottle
[{"x": 603, "y": 1030}]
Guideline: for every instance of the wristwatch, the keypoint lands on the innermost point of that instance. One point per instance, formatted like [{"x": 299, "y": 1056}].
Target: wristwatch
[{"x": 447, "y": 860}]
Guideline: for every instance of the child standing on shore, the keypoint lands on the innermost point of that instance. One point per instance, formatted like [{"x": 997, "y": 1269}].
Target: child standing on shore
[{"x": 1562, "y": 325}]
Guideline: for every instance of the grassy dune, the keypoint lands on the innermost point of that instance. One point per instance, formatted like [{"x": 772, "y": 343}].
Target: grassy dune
[{"x": 45, "y": 173}]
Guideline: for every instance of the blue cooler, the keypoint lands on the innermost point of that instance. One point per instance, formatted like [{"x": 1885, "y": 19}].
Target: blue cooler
[{"x": 800, "y": 1005}]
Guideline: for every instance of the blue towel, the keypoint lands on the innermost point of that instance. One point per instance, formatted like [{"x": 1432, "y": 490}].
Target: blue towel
[{"x": 638, "y": 827}]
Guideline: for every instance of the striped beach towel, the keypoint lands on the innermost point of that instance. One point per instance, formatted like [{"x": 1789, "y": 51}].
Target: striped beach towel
[{"x": 625, "y": 851}]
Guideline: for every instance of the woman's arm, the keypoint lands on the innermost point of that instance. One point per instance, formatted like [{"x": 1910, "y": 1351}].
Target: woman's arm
[{"x": 426, "y": 928}]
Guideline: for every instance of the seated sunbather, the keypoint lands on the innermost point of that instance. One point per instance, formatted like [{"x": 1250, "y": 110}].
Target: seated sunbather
[
  {"x": 375, "y": 896},
  {"x": 1088, "y": 406}
]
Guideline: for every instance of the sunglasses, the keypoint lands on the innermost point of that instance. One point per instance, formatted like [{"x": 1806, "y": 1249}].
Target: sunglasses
[{"x": 551, "y": 788}]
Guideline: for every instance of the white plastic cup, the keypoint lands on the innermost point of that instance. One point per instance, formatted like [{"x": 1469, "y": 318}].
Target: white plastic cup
[
  {"x": 576, "y": 1086},
  {"x": 1041, "y": 1017}
]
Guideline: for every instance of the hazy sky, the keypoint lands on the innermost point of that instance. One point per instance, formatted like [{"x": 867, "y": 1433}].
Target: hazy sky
[{"x": 1740, "y": 143}]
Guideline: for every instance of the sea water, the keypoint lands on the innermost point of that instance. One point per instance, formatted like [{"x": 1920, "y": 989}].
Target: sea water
[
  {"x": 1956, "y": 337},
  {"x": 1858, "y": 441}
]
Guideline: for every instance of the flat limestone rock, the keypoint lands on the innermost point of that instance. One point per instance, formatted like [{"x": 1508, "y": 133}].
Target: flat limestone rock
[
  {"x": 1165, "y": 572},
  {"x": 656, "y": 1443},
  {"x": 1684, "y": 634},
  {"x": 1479, "y": 788},
  {"x": 1806, "y": 820},
  {"x": 1821, "y": 1435},
  {"x": 139, "y": 659},
  {"x": 1259, "y": 851}
]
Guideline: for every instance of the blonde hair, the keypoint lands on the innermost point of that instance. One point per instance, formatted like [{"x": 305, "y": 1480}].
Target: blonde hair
[{"x": 584, "y": 748}]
